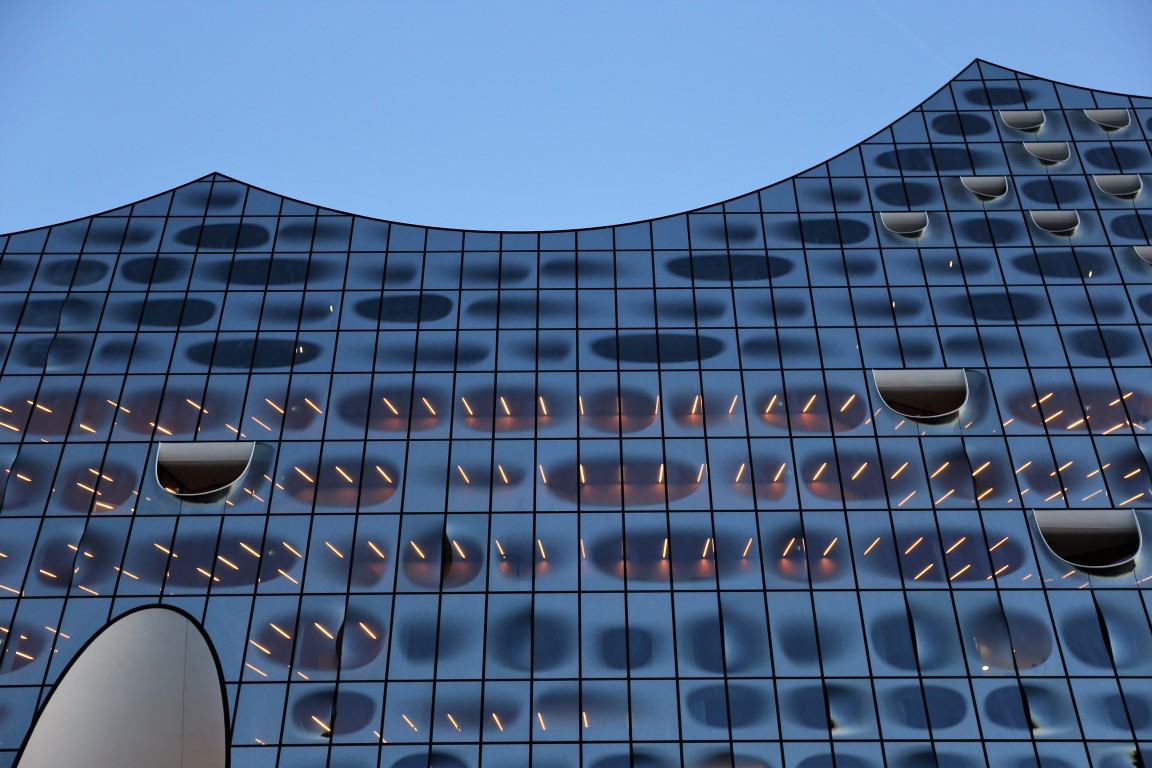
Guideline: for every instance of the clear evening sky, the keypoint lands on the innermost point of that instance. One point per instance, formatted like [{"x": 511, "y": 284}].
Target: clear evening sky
[{"x": 496, "y": 115}]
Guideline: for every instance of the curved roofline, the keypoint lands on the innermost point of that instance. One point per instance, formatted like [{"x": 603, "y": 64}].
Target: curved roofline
[{"x": 888, "y": 125}]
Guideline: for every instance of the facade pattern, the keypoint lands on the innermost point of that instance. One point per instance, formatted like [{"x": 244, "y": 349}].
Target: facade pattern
[{"x": 625, "y": 496}]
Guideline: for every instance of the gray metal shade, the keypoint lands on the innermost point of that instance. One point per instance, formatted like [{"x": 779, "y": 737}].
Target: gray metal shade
[
  {"x": 1109, "y": 119},
  {"x": 1090, "y": 539},
  {"x": 907, "y": 223},
  {"x": 922, "y": 393},
  {"x": 1049, "y": 152},
  {"x": 986, "y": 187},
  {"x": 144, "y": 692},
  {"x": 1144, "y": 252},
  {"x": 1056, "y": 222},
  {"x": 1124, "y": 185},
  {"x": 1023, "y": 119},
  {"x": 201, "y": 471}
]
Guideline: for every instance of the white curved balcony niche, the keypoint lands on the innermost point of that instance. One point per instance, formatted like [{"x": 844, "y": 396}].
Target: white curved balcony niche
[
  {"x": 986, "y": 187},
  {"x": 1090, "y": 539},
  {"x": 906, "y": 223},
  {"x": 202, "y": 471},
  {"x": 1144, "y": 252},
  {"x": 1062, "y": 223},
  {"x": 1109, "y": 119},
  {"x": 1048, "y": 152},
  {"x": 1030, "y": 120},
  {"x": 145, "y": 692},
  {"x": 1123, "y": 185},
  {"x": 922, "y": 394}
]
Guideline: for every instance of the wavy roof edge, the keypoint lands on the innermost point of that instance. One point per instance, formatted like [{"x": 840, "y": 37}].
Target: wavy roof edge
[{"x": 218, "y": 176}]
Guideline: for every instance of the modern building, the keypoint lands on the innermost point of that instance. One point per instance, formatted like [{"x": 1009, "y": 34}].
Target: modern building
[{"x": 848, "y": 471}]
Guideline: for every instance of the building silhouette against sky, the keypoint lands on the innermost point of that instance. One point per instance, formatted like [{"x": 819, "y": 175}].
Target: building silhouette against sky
[{"x": 850, "y": 470}]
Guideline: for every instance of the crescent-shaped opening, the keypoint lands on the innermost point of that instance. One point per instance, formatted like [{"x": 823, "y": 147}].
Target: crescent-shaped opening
[
  {"x": 906, "y": 223},
  {"x": 1056, "y": 222},
  {"x": 986, "y": 187},
  {"x": 1109, "y": 119},
  {"x": 922, "y": 393},
  {"x": 1090, "y": 539},
  {"x": 202, "y": 471},
  {"x": 1144, "y": 252},
  {"x": 1124, "y": 185},
  {"x": 146, "y": 690},
  {"x": 1048, "y": 152},
  {"x": 1023, "y": 119}
]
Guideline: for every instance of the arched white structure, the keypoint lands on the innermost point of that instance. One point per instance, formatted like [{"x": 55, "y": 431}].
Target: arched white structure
[{"x": 145, "y": 693}]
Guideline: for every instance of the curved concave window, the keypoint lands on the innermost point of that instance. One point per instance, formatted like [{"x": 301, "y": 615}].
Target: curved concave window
[
  {"x": 987, "y": 187},
  {"x": 145, "y": 692},
  {"x": 922, "y": 393},
  {"x": 1125, "y": 185},
  {"x": 1056, "y": 222},
  {"x": 198, "y": 470},
  {"x": 907, "y": 223},
  {"x": 1144, "y": 252},
  {"x": 1091, "y": 539},
  {"x": 1023, "y": 119},
  {"x": 1109, "y": 119},
  {"x": 1049, "y": 152}
]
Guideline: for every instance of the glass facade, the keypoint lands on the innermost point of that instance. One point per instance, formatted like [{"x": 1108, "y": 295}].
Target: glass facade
[{"x": 627, "y": 496}]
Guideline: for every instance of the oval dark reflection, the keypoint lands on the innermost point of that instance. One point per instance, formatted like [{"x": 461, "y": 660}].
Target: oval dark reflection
[
  {"x": 166, "y": 313},
  {"x": 201, "y": 471},
  {"x": 736, "y": 267},
  {"x": 224, "y": 237},
  {"x": 252, "y": 353},
  {"x": 927, "y": 393},
  {"x": 405, "y": 309},
  {"x": 657, "y": 347},
  {"x": 1090, "y": 539}
]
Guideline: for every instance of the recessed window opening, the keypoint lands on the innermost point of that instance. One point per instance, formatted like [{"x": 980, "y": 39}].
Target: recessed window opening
[
  {"x": 906, "y": 223},
  {"x": 1062, "y": 223},
  {"x": 1109, "y": 119},
  {"x": 1123, "y": 185},
  {"x": 986, "y": 187},
  {"x": 1090, "y": 539},
  {"x": 1030, "y": 120},
  {"x": 1048, "y": 152},
  {"x": 202, "y": 471},
  {"x": 923, "y": 394}
]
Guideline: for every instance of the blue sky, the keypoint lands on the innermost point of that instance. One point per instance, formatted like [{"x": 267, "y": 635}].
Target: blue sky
[{"x": 497, "y": 115}]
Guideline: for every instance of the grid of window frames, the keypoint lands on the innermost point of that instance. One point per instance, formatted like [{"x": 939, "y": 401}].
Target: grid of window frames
[{"x": 612, "y": 497}]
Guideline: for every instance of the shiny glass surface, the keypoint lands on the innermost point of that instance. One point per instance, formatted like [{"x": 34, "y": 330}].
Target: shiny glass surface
[{"x": 619, "y": 496}]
